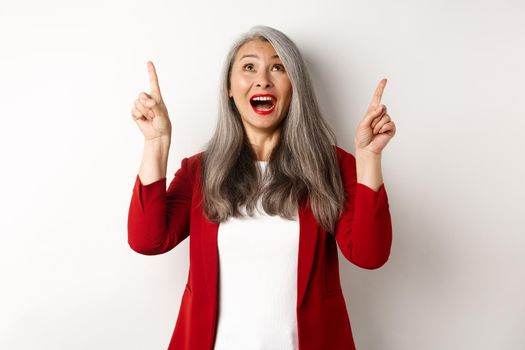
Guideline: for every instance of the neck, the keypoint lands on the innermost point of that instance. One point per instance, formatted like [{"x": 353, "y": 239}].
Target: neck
[{"x": 263, "y": 143}]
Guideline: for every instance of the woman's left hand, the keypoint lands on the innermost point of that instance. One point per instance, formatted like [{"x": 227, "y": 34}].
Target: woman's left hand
[{"x": 376, "y": 128}]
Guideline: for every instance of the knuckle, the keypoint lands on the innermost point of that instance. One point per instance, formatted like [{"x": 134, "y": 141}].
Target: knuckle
[{"x": 145, "y": 101}]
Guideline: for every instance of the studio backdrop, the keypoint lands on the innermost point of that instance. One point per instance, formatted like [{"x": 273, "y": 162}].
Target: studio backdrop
[{"x": 70, "y": 152}]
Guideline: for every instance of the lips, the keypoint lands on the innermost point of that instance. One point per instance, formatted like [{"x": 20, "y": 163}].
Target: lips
[{"x": 263, "y": 107}]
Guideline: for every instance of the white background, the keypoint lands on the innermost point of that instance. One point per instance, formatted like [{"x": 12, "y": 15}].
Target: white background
[{"x": 70, "y": 71}]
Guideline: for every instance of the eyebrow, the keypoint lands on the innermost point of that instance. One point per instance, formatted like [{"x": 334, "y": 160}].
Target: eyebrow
[{"x": 253, "y": 55}]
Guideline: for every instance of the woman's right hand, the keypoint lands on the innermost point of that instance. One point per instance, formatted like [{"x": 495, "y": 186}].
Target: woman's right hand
[{"x": 149, "y": 111}]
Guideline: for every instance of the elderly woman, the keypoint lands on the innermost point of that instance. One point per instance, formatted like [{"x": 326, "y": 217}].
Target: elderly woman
[{"x": 266, "y": 205}]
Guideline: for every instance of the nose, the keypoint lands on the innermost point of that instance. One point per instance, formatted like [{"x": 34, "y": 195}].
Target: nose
[{"x": 262, "y": 80}]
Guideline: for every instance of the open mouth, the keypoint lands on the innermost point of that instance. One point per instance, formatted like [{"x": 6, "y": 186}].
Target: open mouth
[{"x": 263, "y": 104}]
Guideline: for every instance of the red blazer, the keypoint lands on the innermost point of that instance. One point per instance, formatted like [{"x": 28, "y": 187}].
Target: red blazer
[{"x": 160, "y": 219}]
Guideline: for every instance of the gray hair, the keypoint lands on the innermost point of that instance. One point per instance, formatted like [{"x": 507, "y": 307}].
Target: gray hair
[{"x": 302, "y": 164}]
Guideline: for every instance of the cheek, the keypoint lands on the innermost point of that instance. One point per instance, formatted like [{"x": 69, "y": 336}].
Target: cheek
[
  {"x": 286, "y": 87},
  {"x": 288, "y": 93},
  {"x": 239, "y": 83}
]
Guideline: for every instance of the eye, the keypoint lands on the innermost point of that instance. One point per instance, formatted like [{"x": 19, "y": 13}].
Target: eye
[{"x": 281, "y": 67}]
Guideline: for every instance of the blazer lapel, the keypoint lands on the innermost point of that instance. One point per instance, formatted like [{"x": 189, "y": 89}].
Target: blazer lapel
[
  {"x": 208, "y": 241},
  {"x": 308, "y": 234},
  {"x": 210, "y": 256}
]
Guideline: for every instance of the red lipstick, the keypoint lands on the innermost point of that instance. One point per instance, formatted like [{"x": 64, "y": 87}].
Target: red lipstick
[{"x": 264, "y": 112}]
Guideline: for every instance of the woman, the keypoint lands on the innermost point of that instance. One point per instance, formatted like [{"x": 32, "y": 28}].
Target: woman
[{"x": 266, "y": 205}]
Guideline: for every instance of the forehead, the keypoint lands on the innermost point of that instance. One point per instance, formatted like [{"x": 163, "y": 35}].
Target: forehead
[{"x": 259, "y": 48}]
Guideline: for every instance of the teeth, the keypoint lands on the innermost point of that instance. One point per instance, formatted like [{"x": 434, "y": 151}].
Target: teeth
[{"x": 262, "y": 98}]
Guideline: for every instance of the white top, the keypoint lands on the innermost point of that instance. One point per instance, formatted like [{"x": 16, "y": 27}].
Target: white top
[{"x": 258, "y": 282}]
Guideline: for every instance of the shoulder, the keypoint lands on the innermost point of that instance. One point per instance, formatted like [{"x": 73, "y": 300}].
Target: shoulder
[
  {"x": 189, "y": 167},
  {"x": 193, "y": 162},
  {"x": 195, "y": 158},
  {"x": 343, "y": 155}
]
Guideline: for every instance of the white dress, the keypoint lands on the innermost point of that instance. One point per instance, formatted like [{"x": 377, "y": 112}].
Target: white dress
[{"x": 257, "y": 282}]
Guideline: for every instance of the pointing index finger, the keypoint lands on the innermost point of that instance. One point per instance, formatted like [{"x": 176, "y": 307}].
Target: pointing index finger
[
  {"x": 376, "y": 99},
  {"x": 153, "y": 81}
]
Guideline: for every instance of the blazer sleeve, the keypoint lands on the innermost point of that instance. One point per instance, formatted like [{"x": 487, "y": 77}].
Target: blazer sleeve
[
  {"x": 364, "y": 230},
  {"x": 158, "y": 219}
]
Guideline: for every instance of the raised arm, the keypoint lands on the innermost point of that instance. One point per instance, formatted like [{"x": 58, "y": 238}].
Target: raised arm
[
  {"x": 364, "y": 231},
  {"x": 159, "y": 219}
]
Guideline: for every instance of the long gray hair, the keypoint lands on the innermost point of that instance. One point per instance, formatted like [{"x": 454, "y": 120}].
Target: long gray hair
[{"x": 302, "y": 166}]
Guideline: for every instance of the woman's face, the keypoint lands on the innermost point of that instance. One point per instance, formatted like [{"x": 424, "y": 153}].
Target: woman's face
[{"x": 258, "y": 70}]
